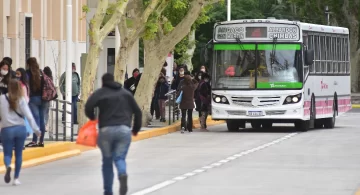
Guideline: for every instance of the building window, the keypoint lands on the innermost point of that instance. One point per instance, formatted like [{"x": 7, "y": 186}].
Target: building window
[
  {"x": 28, "y": 37},
  {"x": 111, "y": 60}
]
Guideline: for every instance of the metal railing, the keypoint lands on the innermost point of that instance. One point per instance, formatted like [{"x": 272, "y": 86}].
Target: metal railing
[
  {"x": 58, "y": 128},
  {"x": 174, "y": 110}
]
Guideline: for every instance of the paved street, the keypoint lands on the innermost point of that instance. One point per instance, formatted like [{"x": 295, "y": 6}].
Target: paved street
[{"x": 281, "y": 162}]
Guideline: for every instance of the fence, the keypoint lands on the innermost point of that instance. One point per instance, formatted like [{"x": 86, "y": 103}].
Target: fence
[
  {"x": 58, "y": 127},
  {"x": 171, "y": 103}
]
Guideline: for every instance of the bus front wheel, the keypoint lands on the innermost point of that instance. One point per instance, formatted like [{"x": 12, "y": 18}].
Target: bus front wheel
[
  {"x": 232, "y": 125},
  {"x": 302, "y": 125}
]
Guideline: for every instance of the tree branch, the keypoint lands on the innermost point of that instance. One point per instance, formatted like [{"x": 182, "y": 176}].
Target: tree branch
[
  {"x": 123, "y": 29},
  {"x": 114, "y": 20},
  {"x": 162, "y": 6},
  {"x": 210, "y": 2},
  {"x": 100, "y": 13},
  {"x": 183, "y": 28}
]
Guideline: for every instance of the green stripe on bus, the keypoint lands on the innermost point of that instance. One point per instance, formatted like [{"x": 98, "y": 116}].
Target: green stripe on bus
[
  {"x": 284, "y": 85},
  {"x": 279, "y": 47},
  {"x": 260, "y": 47},
  {"x": 234, "y": 47}
]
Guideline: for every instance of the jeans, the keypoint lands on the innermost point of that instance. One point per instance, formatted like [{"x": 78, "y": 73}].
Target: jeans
[
  {"x": 37, "y": 109},
  {"x": 187, "y": 125},
  {"x": 13, "y": 137},
  {"x": 74, "y": 101},
  {"x": 162, "y": 108},
  {"x": 114, "y": 143},
  {"x": 74, "y": 108},
  {"x": 46, "y": 105}
]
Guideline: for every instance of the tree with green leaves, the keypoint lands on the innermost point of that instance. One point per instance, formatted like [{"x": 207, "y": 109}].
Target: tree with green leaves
[
  {"x": 106, "y": 17},
  {"x": 161, "y": 36}
]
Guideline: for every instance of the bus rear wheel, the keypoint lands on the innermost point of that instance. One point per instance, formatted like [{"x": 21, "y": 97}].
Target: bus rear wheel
[{"x": 329, "y": 123}]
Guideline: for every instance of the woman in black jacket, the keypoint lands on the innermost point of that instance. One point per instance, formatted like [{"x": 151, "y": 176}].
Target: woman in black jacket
[{"x": 36, "y": 83}]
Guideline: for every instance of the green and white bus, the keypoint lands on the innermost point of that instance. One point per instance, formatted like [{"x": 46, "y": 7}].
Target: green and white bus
[{"x": 269, "y": 71}]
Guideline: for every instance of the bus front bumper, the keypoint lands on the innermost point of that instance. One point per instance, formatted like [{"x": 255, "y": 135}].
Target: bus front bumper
[{"x": 288, "y": 112}]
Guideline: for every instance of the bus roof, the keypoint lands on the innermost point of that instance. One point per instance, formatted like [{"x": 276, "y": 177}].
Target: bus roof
[{"x": 302, "y": 25}]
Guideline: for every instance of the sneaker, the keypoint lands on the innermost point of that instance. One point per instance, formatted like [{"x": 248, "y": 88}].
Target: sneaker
[
  {"x": 31, "y": 145},
  {"x": 41, "y": 145},
  {"x": 7, "y": 177},
  {"x": 182, "y": 130},
  {"x": 16, "y": 182}
]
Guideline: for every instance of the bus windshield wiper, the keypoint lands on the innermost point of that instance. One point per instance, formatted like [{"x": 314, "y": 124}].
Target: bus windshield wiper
[{"x": 243, "y": 49}]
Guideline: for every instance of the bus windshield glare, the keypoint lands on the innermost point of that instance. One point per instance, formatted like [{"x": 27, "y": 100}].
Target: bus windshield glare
[{"x": 258, "y": 66}]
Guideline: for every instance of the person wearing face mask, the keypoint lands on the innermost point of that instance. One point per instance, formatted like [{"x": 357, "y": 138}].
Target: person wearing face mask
[
  {"x": 12, "y": 73},
  {"x": 198, "y": 78},
  {"x": 205, "y": 98},
  {"x": 162, "y": 88},
  {"x": 203, "y": 69},
  {"x": 130, "y": 84},
  {"x": 176, "y": 82},
  {"x": 75, "y": 91}
]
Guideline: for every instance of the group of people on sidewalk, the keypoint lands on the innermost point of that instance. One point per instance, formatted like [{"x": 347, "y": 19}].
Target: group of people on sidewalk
[
  {"x": 22, "y": 100},
  {"x": 24, "y": 104},
  {"x": 195, "y": 92}
]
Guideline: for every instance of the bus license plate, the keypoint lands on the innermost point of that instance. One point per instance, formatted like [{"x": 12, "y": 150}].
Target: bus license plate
[{"x": 255, "y": 113}]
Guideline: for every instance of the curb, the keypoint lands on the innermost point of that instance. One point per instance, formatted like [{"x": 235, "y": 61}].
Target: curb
[
  {"x": 61, "y": 150},
  {"x": 355, "y": 105}
]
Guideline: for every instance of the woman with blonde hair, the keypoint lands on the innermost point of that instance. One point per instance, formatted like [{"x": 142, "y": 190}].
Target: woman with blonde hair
[{"x": 13, "y": 109}]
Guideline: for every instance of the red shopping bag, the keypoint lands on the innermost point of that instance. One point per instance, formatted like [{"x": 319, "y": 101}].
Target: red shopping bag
[{"x": 88, "y": 134}]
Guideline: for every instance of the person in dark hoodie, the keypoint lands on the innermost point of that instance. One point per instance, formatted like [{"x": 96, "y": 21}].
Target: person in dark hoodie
[
  {"x": 162, "y": 88},
  {"x": 130, "y": 84},
  {"x": 176, "y": 82},
  {"x": 116, "y": 108}
]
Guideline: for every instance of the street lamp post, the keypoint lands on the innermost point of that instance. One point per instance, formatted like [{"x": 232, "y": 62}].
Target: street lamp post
[
  {"x": 68, "y": 81},
  {"x": 327, "y": 13},
  {"x": 228, "y": 10}
]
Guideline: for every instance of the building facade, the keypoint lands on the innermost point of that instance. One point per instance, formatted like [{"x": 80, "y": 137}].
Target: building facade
[{"x": 37, "y": 28}]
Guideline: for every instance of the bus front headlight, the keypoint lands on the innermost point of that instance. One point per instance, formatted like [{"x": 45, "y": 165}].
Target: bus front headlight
[
  {"x": 220, "y": 99},
  {"x": 292, "y": 99}
]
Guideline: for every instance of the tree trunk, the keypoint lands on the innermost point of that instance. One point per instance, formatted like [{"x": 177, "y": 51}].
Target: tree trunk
[
  {"x": 190, "y": 51},
  {"x": 120, "y": 65},
  {"x": 87, "y": 83},
  {"x": 147, "y": 83}
]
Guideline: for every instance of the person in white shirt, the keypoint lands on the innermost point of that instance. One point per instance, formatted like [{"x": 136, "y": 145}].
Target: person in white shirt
[{"x": 13, "y": 109}]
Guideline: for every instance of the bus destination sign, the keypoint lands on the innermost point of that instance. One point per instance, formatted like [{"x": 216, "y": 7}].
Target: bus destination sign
[
  {"x": 232, "y": 32},
  {"x": 286, "y": 33}
]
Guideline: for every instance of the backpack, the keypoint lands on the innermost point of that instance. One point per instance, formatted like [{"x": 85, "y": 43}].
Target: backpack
[{"x": 49, "y": 91}]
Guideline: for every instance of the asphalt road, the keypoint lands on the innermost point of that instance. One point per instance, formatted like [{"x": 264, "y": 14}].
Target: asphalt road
[{"x": 280, "y": 161}]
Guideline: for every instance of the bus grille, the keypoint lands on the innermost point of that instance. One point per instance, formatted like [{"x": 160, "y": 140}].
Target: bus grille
[
  {"x": 263, "y": 101},
  {"x": 237, "y": 112},
  {"x": 276, "y": 112}
]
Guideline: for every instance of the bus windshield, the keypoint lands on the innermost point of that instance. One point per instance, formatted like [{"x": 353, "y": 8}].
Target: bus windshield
[{"x": 257, "y": 66}]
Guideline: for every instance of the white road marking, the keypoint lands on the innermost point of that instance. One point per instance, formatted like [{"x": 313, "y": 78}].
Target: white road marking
[{"x": 211, "y": 166}]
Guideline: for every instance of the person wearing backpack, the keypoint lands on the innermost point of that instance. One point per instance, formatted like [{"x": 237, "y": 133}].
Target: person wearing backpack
[
  {"x": 36, "y": 83},
  {"x": 13, "y": 109},
  {"x": 75, "y": 91}
]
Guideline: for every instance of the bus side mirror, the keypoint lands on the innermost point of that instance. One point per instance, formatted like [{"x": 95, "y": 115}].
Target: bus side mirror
[
  {"x": 206, "y": 51},
  {"x": 309, "y": 57}
]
